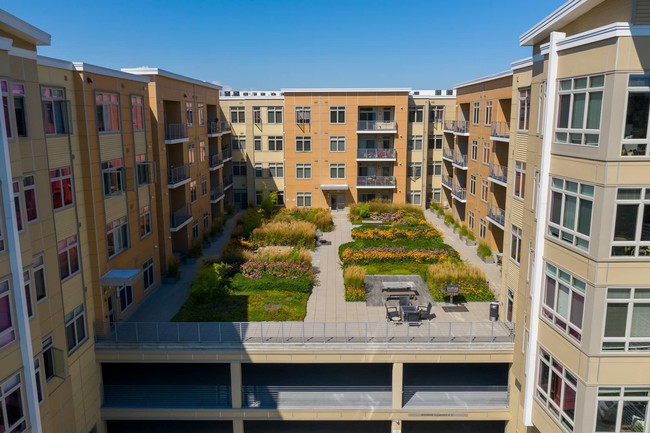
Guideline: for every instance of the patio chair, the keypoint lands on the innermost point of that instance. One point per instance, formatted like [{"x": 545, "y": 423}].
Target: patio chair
[
  {"x": 425, "y": 312},
  {"x": 403, "y": 301},
  {"x": 392, "y": 314}
]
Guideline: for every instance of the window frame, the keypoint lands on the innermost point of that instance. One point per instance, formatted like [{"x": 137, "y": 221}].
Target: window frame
[
  {"x": 12, "y": 386},
  {"x": 338, "y": 169},
  {"x": 137, "y": 113},
  {"x": 523, "y": 107},
  {"x": 302, "y": 170},
  {"x": 31, "y": 188},
  {"x": 335, "y": 143},
  {"x": 148, "y": 276},
  {"x": 9, "y": 334},
  {"x": 238, "y": 114},
  {"x": 303, "y": 115},
  {"x": 557, "y": 230},
  {"x": 125, "y": 295},
  {"x": 552, "y": 314},
  {"x": 519, "y": 181},
  {"x": 515, "y": 244},
  {"x": 275, "y": 168},
  {"x": 416, "y": 114},
  {"x": 472, "y": 184},
  {"x": 476, "y": 113},
  {"x": 435, "y": 142},
  {"x": 474, "y": 150},
  {"x": 303, "y": 143},
  {"x": 626, "y": 343},
  {"x": 145, "y": 221},
  {"x": 583, "y": 131},
  {"x": 275, "y": 143},
  {"x": 302, "y": 198},
  {"x": 436, "y": 113},
  {"x": 639, "y": 247},
  {"x": 54, "y": 98},
  {"x": 113, "y": 178},
  {"x": 488, "y": 113},
  {"x": 74, "y": 318},
  {"x": 111, "y": 122},
  {"x": 274, "y": 114},
  {"x": 414, "y": 142},
  {"x": 38, "y": 268},
  {"x": 64, "y": 248},
  {"x": 337, "y": 115},
  {"x": 545, "y": 397},
  {"x": 20, "y": 112},
  {"x": 621, "y": 397}
]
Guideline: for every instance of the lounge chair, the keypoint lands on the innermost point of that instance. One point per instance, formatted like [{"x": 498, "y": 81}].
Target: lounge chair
[
  {"x": 392, "y": 314},
  {"x": 425, "y": 312}
]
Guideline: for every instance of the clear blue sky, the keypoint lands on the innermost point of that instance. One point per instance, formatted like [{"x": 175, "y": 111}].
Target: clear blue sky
[{"x": 253, "y": 44}]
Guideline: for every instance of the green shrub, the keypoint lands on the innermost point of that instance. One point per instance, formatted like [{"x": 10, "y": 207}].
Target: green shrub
[
  {"x": 449, "y": 220},
  {"x": 484, "y": 250},
  {"x": 321, "y": 218},
  {"x": 233, "y": 253},
  {"x": 211, "y": 284},
  {"x": 269, "y": 204},
  {"x": 384, "y": 210},
  {"x": 464, "y": 231},
  {"x": 195, "y": 251},
  {"x": 291, "y": 233},
  {"x": 173, "y": 268},
  {"x": 363, "y": 210},
  {"x": 470, "y": 236},
  {"x": 456, "y": 226},
  {"x": 267, "y": 283},
  {"x": 217, "y": 226},
  {"x": 440, "y": 211},
  {"x": 471, "y": 281}
]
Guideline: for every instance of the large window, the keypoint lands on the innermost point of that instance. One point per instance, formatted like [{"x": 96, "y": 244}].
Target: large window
[
  {"x": 570, "y": 214},
  {"x": 274, "y": 114},
  {"x": 38, "y": 269},
  {"x": 476, "y": 114},
  {"x": 68, "y": 251},
  {"x": 579, "y": 107},
  {"x": 635, "y": 134},
  {"x": 18, "y": 92},
  {"x": 416, "y": 114},
  {"x": 303, "y": 199},
  {"x": 193, "y": 194},
  {"x": 487, "y": 148},
  {"x": 189, "y": 113},
  {"x": 414, "y": 169},
  {"x": 117, "y": 236},
  {"x": 303, "y": 115},
  {"x": 276, "y": 169},
  {"x": 275, "y": 143},
  {"x": 435, "y": 142},
  {"x": 191, "y": 153},
  {"x": 436, "y": 168},
  {"x": 485, "y": 187},
  {"x": 7, "y": 331},
  {"x": 27, "y": 285},
  {"x": 337, "y": 144},
  {"x": 482, "y": 228},
  {"x": 200, "y": 110},
  {"x": 414, "y": 142},
  {"x": 520, "y": 179},
  {"x": 303, "y": 144},
  {"x": 237, "y": 115},
  {"x": 145, "y": 221},
  {"x": 113, "y": 175},
  {"x": 258, "y": 169},
  {"x": 622, "y": 409},
  {"x": 147, "y": 273},
  {"x": 61, "y": 187},
  {"x": 488, "y": 112},
  {"x": 17, "y": 205},
  {"x": 125, "y": 293},
  {"x": 515, "y": 244},
  {"x": 137, "y": 112},
  {"x": 564, "y": 301},
  {"x": 337, "y": 114},
  {"x": 436, "y": 113},
  {"x": 337, "y": 171},
  {"x": 257, "y": 115},
  {"x": 556, "y": 389},
  {"x": 627, "y": 319},
  {"x": 202, "y": 151},
  {"x": 12, "y": 412},
  {"x": 239, "y": 169},
  {"x": 75, "y": 328},
  {"x": 204, "y": 185},
  {"x": 524, "y": 109},
  {"x": 632, "y": 226},
  {"x": 414, "y": 197},
  {"x": 108, "y": 112},
  {"x": 29, "y": 192},
  {"x": 239, "y": 143},
  {"x": 303, "y": 171},
  {"x": 257, "y": 143},
  {"x": 474, "y": 151},
  {"x": 55, "y": 111}
]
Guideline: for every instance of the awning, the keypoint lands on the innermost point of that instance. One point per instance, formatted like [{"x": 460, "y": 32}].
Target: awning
[
  {"x": 334, "y": 187},
  {"x": 119, "y": 277}
]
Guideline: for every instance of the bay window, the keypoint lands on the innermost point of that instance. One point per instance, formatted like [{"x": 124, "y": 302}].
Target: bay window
[
  {"x": 579, "y": 110},
  {"x": 570, "y": 212}
]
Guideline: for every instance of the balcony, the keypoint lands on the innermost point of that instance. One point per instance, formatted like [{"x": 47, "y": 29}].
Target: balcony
[
  {"x": 215, "y": 129},
  {"x": 376, "y": 126},
  {"x": 178, "y": 176},
  {"x": 321, "y": 397},
  {"x": 227, "y": 182},
  {"x": 447, "y": 154},
  {"x": 457, "y": 127},
  {"x": 459, "y": 194},
  {"x": 180, "y": 218},
  {"x": 159, "y": 396},
  {"x": 447, "y": 181},
  {"x": 460, "y": 160},
  {"x": 216, "y": 162},
  {"x": 226, "y": 154},
  {"x": 500, "y": 132},
  {"x": 176, "y": 133},
  {"x": 447, "y": 397},
  {"x": 376, "y": 155},
  {"x": 498, "y": 174},
  {"x": 376, "y": 182},
  {"x": 216, "y": 194},
  {"x": 496, "y": 216}
]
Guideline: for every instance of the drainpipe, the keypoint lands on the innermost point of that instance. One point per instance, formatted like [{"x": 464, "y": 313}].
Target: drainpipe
[
  {"x": 540, "y": 229},
  {"x": 18, "y": 285}
]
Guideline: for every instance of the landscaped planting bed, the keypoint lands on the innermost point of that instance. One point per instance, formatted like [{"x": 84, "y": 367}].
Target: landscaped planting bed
[{"x": 471, "y": 281}]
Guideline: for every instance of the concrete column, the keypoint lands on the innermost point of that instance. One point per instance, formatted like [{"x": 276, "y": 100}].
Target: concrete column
[
  {"x": 238, "y": 425},
  {"x": 235, "y": 386},
  {"x": 397, "y": 384}
]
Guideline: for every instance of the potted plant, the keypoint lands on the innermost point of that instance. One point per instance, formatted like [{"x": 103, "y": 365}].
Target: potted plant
[
  {"x": 463, "y": 232},
  {"x": 456, "y": 227},
  {"x": 471, "y": 239},
  {"x": 440, "y": 212},
  {"x": 449, "y": 220},
  {"x": 485, "y": 252},
  {"x": 173, "y": 271}
]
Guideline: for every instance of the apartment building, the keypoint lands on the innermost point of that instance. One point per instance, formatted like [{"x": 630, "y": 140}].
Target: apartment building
[{"x": 476, "y": 156}]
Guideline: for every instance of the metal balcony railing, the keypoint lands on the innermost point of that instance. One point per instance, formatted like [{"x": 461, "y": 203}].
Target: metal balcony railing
[
  {"x": 321, "y": 397},
  {"x": 458, "y": 192},
  {"x": 447, "y": 154},
  {"x": 448, "y": 181},
  {"x": 375, "y": 125},
  {"x": 498, "y": 172},
  {"x": 376, "y": 154},
  {"x": 457, "y": 126},
  {"x": 460, "y": 159},
  {"x": 501, "y": 130},
  {"x": 178, "y": 174},
  {"x": 496, "y": 214},
  {"x": 227, "y": 181},
  {"x": 376, "y": 181},
  {"x": 454, "y": 396},
  {"x": 175, "y": 131},
  {"x": 218, "y": 127},
  {"x": 172, "y": 396},
  {"x": 347, "y": 333},
  {"x": 216, "y": 192},
  {"x": 226, "y": 153},
  {"x": 180, "y": 216},
  {"x": 215, "y": 161}
]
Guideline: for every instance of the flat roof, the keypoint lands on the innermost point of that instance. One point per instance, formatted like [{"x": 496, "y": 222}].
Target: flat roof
[
  {"x": 146, "y": 70},
  {"x": 347, "y": 90},
  {"x": 87, "y": 67},
  {"x": 522, "y": 63},
  {"x": 55, "y": 63},
  {"x": 485, "y": 78},
  {"x": 14, "y": 25}
]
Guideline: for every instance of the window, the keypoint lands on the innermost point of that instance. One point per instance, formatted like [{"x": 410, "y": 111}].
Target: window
[
  {"x": 622, "y": 409},
  {"x": 337, "y": 144},
  {"x": 472, "y": 184},
  {"x": 12, "y": 412},
  {"x": 137, "y": 113},
  {"x": 113, "y": 175},
  {"x": 4, "y": 85},
  {"x": 486, "y": 152},
  {"x": 257, "y": 115},
  {"x": 488, "y": 112},
  {"x": 200, "y": 108},
  {"x": 117, "y": 236},
  {"x": 145, "y": 173},
  {"x": 7, "y": 331},
  {"x": 435, "y": 142},
  {"x": 436, "y": 168},
  {"x": 570, "y": 213},
  {"x": 56, "y": 117},
  {"x": 627, "y": 320},
  {"x": 237, "y": 115},
  {"x": 239, "y": 143},
  {"x": 414, "y": 197},
  {"x": 303, "y": 144},
  {"x": 556, "y": 389},
  {"x": 38, "y": 269},
  {"x": 474, "y": 152},
  {"x": 482, "y": 228},
  {"x": 337, "y": 171},
  {"x": 416, "y": 114},
  {"x": 145, "y": 221},
  {"x": 303, "y": 199},
  {"x": 274, "y": 114},
  {"x": 204, "y": 185},
  {"x": 239, "y": 169},
  {"x": 276, "y": 169},
  {"x": 37, "y": 379},
  {"x": 470, "y": 219},
  {"x": 524, "y": 109},
  {"x": 258, "y": 198},
  {"x": 303, "y": 171},
  {"x": 17, "y": 205},
  {"x": 191, "y": 155},
  {"x": 515, "y": 244},
  {"x": 27, "y": 285},
  {"x": 564, "y": 301},
  {"x": 189, "y": 113},
  {"x": 635, "y": 134},
  {"x": 206, "y": 221},
  {"x": 414, "y": 169},
  {"x": 68, "y": 257},
  {"x": 579, "y": 106},
  {"x": 75, "y": 328},
  {"x": 2, "y": 239},
  {"x": 414, "y": 143},
  {"x": 436, "y": 195},
  {"x": 195, "y": 229},
  {"x": 520, "y": 179},
  {"x": 125, "y": 294},
  {"x": 258, "y": 169},
  {"x": 337, "y": 114},
  {"x": 193, "y": 195},
  {"x": 257, "y": 143},
  {"x": 49, "y": 360},
  {"x": 275, "y": 143},
  {"x": 303, "y": 115},
  {"x": 18, "y": 91},
  {"x": 147, "y": 273},
  {"x": 108, "y": 112},
  {"x": 477, "y": 113},
  {"x": 279, "y": 200},
  {"x": 484, "y": 190},
  {"x": 436, "y": 113},
  {"x": 510, "y": 306},
  {"x": 61, "y": 187},
  {"x": 632, "y": 223},
  {"x": 202, "y": 152}
]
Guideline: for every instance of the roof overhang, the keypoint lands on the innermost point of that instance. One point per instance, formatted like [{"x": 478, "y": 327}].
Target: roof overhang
[
  {"x": 326, "y": 187},
  {"x": 145, "y": 70},
  {"x": 348, "y": 90},
  {"x": 119, "y": 277},
  {"x": 485, "y": 79},
  {"x": 15, "y": 26},
  {"x": 100, "y": 70}
]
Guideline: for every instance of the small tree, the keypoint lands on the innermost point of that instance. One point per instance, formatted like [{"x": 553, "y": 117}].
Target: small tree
[{"x": 211, "y": 283}]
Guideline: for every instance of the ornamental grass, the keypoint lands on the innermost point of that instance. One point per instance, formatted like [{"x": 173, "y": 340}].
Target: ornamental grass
[
  {"x": 321, "y": 218},
  {"x": 387, "y": 212},
  {"x": 354, "y": 280},
  {"x": 471, "y": 281},
  {"x": 286, "y": 233},
  {"x": 396, "y": 254},
  {"x": 279, "y": 254},
  {"x": 391, "y": 233}
]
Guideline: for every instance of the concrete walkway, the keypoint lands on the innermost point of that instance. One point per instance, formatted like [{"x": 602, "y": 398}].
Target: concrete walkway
[
  {"x": 164, "y": 303},
  {"x": 327, "y": 301},
  {"x": 468, "y": 254}
]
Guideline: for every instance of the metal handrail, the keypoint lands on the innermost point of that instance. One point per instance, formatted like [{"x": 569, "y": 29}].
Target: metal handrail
[
  {"x": 454, "y": 394},
  {"x": 175, "y": 131},
  {"x": 181, "y": 215},
  {"x": 265, "y": 396},
  {"x": 376, "y": 181},
  {"x": 216, "y": 192},
  {"x": 448, "y": 180},
  {"x": 375, "y": 125},
  {"x": 215, "y": 160},
  {"x": 218, "y": 127},
  {"x": 498, "y": 172},
  {"x": 500, "y": 130},
  {"x": 376, "y": 154},
  {"x": 459, "y": 192},
  {"x": 178, "y": 174},
  {"x": 226, "y": 153},
  {"x": 172, "y": 396},
  {"x": 460, "y": 159},
  {"x": 497, "y": 214},
  {"x": 447, "y": 153}
]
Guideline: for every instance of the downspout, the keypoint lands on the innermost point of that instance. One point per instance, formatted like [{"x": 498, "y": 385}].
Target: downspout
[{"x": 540, "y": 229}]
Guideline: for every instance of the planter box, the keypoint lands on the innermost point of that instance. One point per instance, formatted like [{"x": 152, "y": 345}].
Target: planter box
[
  {"x": 171, "y": 280},
  {"x": 471, "y": 243},
  {"x": 486, "y": 259}
]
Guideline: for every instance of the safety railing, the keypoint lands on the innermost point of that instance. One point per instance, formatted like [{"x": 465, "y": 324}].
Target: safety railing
[
  {"x": 175, "y": 131},
  {"x": 322, "y": 397},
  {"x": 172, "y": 396}
]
